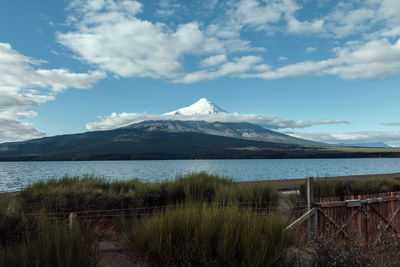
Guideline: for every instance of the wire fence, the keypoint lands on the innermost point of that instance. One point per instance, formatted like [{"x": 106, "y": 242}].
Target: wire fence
[{"x": 114, "y": 215}]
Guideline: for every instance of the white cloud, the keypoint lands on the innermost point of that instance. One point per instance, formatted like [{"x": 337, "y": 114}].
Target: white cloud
[
  {"x": 213, "y": 61},
  {"x": 23, "y": 85},
  {"x": 261, "y": 14},
  {"x": 345, "y": 19},
  {"x": 16, "y": 130},
  {"x": 292, "y": 70},
  {"x": 391, "y": 32},
  {"x": 85, "y": 11},
  {"x": 354, "y": 17},
  {"x": 110, "y": 36},
  {"x": 305, "y": 27},
  {"x": 123, "y": 119},
  {"x": 237, "y": 66},
  {"x": 375, "y": 59},
  {"x": 167, "y": 8},
  {"x": 391, "y": 138},
  {"x": 390, "y": 9},
  {"x": 253, "y": 14},
  {"x": 12, "y": 129},
  {"x": 17, "y": 73},
  {"x": 372, "y": 60},
  {"x": 60, "y": 79},
  {"x": 310, "y": 50}
]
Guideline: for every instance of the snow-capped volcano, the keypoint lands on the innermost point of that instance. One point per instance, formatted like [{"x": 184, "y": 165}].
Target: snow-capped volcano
[{"x": 201, "y": 107}]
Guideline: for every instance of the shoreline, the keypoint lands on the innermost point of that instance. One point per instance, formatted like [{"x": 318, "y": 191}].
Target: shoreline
[
  {"x": 281, "y": 184},
  {"x": 293, "y": 183}
]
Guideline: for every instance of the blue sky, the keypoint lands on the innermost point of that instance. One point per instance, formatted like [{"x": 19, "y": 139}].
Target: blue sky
[{"x": 327, "y": 72}]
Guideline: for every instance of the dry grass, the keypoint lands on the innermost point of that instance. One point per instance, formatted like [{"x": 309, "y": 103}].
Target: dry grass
[
  {"x": 94, "y": 193},
  {"x": 211, "y": 235}
]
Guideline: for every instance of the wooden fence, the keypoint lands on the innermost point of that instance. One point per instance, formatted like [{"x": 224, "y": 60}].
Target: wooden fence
[{"x": 364, "y": 217}]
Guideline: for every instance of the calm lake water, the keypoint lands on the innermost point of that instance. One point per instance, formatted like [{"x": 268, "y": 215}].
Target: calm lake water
[{"x": 17, "y": 175}]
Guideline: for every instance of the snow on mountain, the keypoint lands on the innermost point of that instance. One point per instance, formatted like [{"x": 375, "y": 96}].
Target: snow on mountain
[{"x": 201, "y": 107}]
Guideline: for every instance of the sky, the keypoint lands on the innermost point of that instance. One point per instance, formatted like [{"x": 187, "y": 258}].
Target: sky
[{"x": 322, "y": 70}]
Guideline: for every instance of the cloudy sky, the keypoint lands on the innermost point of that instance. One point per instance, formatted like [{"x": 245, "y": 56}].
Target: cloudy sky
[{"x": 323, "y": 70}]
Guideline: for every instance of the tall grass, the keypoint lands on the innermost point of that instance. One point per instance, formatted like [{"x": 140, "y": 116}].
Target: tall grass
[
  {"x": 41, "y": 243},
  {"x": 93, "y": 193},
  {"x": 201, "y": 187},
  {"x": 211, "y": 235},
  {"x": 11, "y": 229},
  {"x": 3, "y": 205},
  {"x": 340, "y": 187},
  {"x": 88, "y": 192}
]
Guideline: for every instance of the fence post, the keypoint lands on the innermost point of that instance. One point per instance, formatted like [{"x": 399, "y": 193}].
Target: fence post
[
  {"x": 361, "y": 223},
  {"x": 313, "y": 221},
  {"x": 368, "y": 224},
  {"x": 12, "y": 203},
  {"x": 72, "y": 220},
  {"x": 310, "y": 192}
]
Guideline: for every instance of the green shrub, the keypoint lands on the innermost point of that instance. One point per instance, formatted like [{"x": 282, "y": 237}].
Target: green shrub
[
  {"x": 89, "y": 193},
  {"x": 40, "y": 243},
  {"x": 194, "y": 187},
  {"x": 211, "y": 235},
  {"x": 258, "y": 195},
  {"x": 374, "y": 185},
  {"x": 92, "y": 193},
  {"x": 340, "y": 187}
]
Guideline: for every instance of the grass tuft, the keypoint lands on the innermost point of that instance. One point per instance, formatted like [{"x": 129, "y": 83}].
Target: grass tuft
[
  {"x": 340, "y": 187},
  {"x": 92, "y": 193},
  {"x": 42, "y": 243},
  {"x": 211, "y": 235}
]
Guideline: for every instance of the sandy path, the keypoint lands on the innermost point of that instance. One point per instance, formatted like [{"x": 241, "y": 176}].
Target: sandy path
[{"x": 111, "y": 254}]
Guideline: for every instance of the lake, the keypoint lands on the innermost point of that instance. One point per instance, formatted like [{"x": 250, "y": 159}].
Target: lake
[{"x": 17, "y": 175}]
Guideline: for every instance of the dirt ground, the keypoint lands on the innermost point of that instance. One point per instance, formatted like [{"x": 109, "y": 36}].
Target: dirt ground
[{"x": 113, "y": 251}]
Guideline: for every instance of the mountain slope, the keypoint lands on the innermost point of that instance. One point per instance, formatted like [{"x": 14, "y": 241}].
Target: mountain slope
[
  {"x": 242, "y": 130},
  {"x": 168, "y": 140},
  {"x": 135, "y": 143}
]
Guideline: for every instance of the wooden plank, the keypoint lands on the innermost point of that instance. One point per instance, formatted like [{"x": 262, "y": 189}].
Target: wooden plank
[
  {"x": 384, "y": 219},
  {"x": 363, "y": 199},
  {"x": 310, "y": 192},
  {"x": 331, "y": 204},
  {"x": 331, "y": 220},
  {"x": 368, "y": 224},
  {"x": 348, "y": 220},
  {"x": 302, "y": 219},
  {"x": 354, "y": 222},
  {"x": 394, "y": 214},
  {"x": 360, "y": 223},
  {"x": 394, "y": 219}
]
